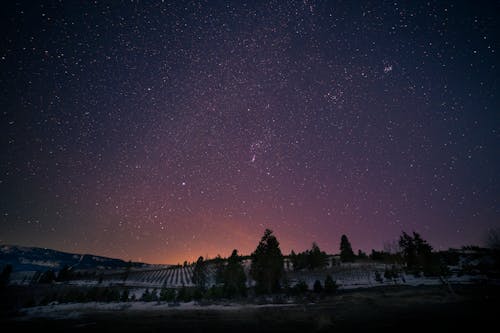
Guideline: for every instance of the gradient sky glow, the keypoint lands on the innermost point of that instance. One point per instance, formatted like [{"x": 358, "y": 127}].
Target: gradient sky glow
[{"x": 163, "y": 131}]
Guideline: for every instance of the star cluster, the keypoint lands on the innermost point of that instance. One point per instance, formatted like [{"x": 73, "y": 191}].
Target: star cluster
[{"x": 163, "y": 131}]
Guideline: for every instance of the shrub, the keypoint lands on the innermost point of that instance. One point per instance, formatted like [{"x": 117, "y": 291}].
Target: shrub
[
  {"x": 317, "y": 286},
  {"x": 378, "y": 277},
  {"x": 301, "y": 287},
  {"x": 124, "y": 296},
  {"x": 167, "y": 295},
  {"x": 330, "y": 285}
]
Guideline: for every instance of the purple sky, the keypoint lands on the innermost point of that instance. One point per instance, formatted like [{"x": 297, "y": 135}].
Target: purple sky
[{"x": 161, "y": 132}]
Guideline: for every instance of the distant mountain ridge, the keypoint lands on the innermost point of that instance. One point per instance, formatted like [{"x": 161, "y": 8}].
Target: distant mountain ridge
[{"x": 24, "y": 258}]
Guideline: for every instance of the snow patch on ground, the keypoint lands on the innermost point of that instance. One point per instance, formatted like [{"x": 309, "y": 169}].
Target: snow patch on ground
[
  {"x": 43, "y": 263},
  {"x": 76, "y": 310}
]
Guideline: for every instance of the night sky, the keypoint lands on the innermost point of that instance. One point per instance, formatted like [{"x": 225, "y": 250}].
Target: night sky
[{"x": 160, "y": 132}]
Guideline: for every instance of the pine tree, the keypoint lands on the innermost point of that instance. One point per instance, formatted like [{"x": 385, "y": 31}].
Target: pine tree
[
  {"x": 424, "y": 254},
  {"x": 200, "y": 274},
  {"x": 316, "y": 259},
  {"x": 346, "y": 253},
  {"x": 300, "y": 260},
  {"x": 409, "y": 250},
  {"x": 234, "y": 277},
  {"x": 267, "y": 264},
  {"x": 219, "y": 264},
  {"x": 362, "y": 255},
  {"x": 417, "y": 253}
]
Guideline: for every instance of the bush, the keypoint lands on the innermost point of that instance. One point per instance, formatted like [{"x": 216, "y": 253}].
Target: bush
[
  {"x": 311, "y": 259},
  {"x": 184, "y": 295},
  {"x": 391, "y": 273},
  {"x": 330, "y": 285},
  {"x": 214, "y": 292},
  {"x": 167, "y": 295},
  {"x": 300, "y": 288},
  {"x": 73, "y": 295},
  {"x": 198, "y": 294},
  {"x": 378, "y": 277},
  {"x": 317, "y": 286},
  {"x": 93, "y": 295},
  {"x": 146, "y": 296},
  {"x": 437, "y": 267},
  {"x": 154, "y": 295},
  {"x": 124, "y": 296},
  {"x": 111, "y": 295}
]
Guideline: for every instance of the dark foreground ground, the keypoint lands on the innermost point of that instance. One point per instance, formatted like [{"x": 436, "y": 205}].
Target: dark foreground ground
[{"x": 397, "y": 309}]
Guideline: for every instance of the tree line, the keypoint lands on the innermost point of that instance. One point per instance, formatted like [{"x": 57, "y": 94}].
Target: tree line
[{"x": 267, "y": 270}]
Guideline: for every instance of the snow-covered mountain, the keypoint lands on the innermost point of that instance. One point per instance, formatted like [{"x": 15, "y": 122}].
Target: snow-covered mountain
[{"x": 41, "y": 259}]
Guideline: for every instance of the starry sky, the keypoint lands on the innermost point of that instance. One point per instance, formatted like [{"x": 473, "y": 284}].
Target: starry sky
[{"x": 160, "y": 131}]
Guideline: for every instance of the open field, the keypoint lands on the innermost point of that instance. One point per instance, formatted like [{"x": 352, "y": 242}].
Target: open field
[{"x": 402, "y": 308}]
